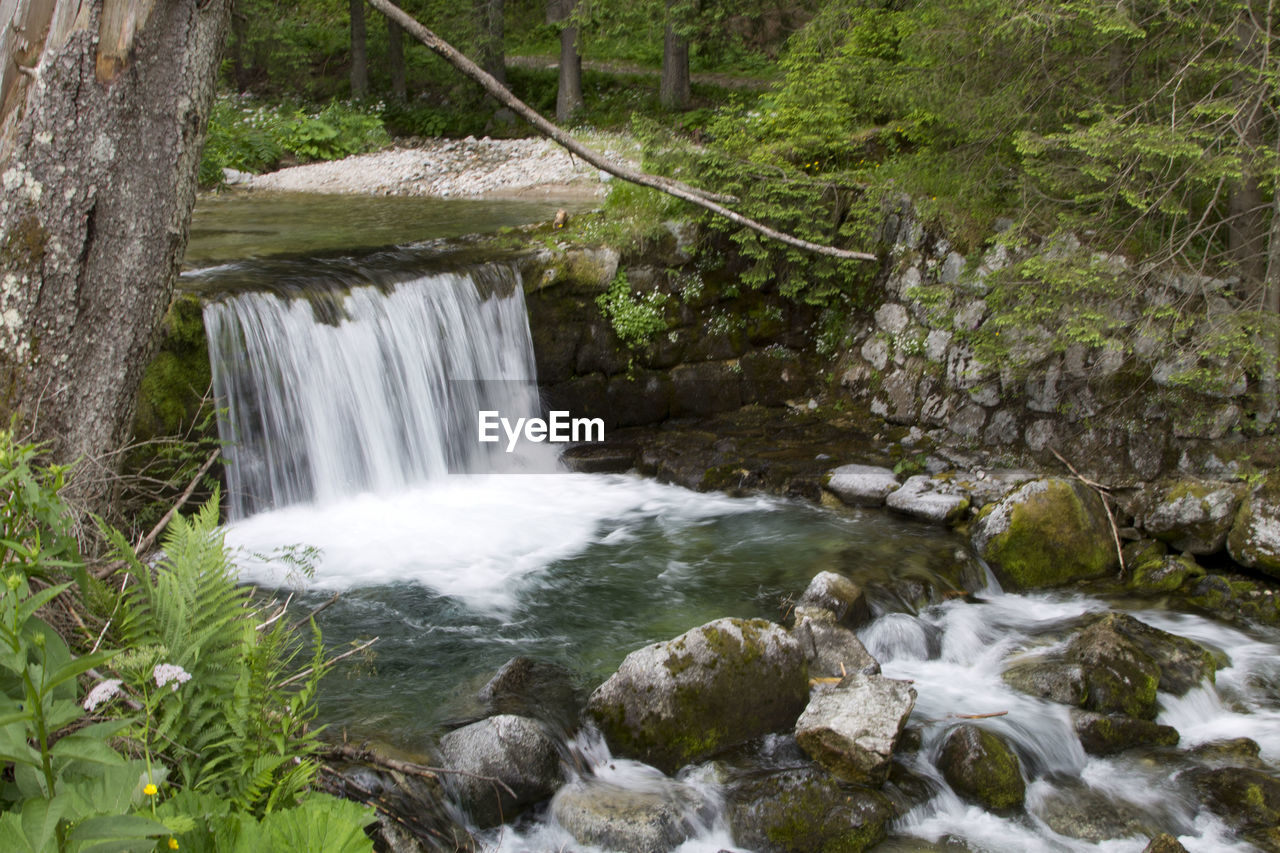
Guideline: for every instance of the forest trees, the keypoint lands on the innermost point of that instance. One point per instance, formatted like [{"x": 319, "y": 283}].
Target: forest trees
[{"x": 103, "y": 117}]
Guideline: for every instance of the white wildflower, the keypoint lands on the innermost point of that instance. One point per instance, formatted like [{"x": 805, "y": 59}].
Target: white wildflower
[
  {"x": 166, "y": 672},
  {"x": 103, "y": 691}
]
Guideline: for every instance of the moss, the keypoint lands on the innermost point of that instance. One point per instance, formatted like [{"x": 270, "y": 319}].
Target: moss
[
  {"x": 981, "y": 767},
  {"x": 1237, "y": 598},
  {"x": 175, "y": 382},
  {"x": 1167, "y": 574},
  {"x": 24, "y": 246},
  {"x": 1053, "y": 534}
]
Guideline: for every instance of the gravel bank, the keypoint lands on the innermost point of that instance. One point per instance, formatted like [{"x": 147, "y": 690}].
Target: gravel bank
[{"x": 459, "y": 168}]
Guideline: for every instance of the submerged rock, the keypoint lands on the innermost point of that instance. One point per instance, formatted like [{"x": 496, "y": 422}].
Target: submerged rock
[
  {"x": 1183, "y": 663},
  {"x": 1236, "y": 598},
  {"x": 1247, "y": 800},
  {"x": 1233, "y": 752},
  {"x": 1078, "y": 811},
  {"x": 853, "y": 729},
  {"x": 515, "y": 750},
  {"x": 1050, "y": 679},
  {"x": 804, "y": 810},
  {"x": 532, "y": 688},
  {"x": 981, "y": 768},
  {"x": 1190, "y": 515},
  {"x": 832, "y": 650},
  {"x": 652, "y": 818},
  {"x": 710, "y": 688},
  {"x": 862, "y": 485},
  {"x": 929, "y": 499},
  {"x": 1046, "y": 533},
  {"x": 1107, "y": 734},
  {"x": 1254, "y": 540},
  {"x": 1164, "y": 843},
  {"x": 836, "y": 593}
]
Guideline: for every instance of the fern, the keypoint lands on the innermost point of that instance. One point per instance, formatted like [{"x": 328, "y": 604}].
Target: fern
[{"x": 237, "y": 732}]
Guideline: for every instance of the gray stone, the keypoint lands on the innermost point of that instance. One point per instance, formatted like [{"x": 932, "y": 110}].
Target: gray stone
[
  {"x": 892, "y": 318},
  {"x": 650, "y": 818},
  {"x": 862, "y": 485},
  {"x": 1049, "y": 679},
  {"x": 952, "y": 267},
  {"x": 715, "y": 686},
  {"x": 1043, "y": 394},
  {"x": 516, "y": 750},
  {"x": 1190, "y": 515},
  {"x": 839, "y": 595},
  {"x": 532, "y": 688},
  {"x": 852, "y": 730},
  {"x": 986, "y": 394},
  {"x": 1002, "y": 429},
  {"x": 929, "y": 499},
  {"x": 804, "y": 810},
  {"x": 968, "y": 422},
  {"x": 1077, "y": 811},
  {"x": 899, "y": 389},
  {"x": 832, "y": 650},
  {"x": 1039, "y": 434},
  {"x": 686, "y": 235},
  {"x": 935, "y": 345},
  {"x": 970, "y": 317},
  {"x": 876, "y": 351},
  {"x": 234, "y": 177}
]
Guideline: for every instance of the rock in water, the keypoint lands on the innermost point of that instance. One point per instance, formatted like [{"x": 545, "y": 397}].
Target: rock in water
[
  {"x": 1107, "y": 734},
  {"x": 982, "y": 768},
  {"x": 515, "y": 750},
  {"x": 1254, "y": 540},
  {"x": 861, "y": 485},
  {"x": 713, "y": 687},
  {"x": 1046, "y": 533},
  {"x": 533, "y": 688},
  {"x": 805, "y": 810},
  {"x": 929, "y": 499},
  {"x": 652, "y": 818},
  {"x": 833, "y": 651},
  {"x": 843, "y": 597},
  {"x": 852, "y": 730}
]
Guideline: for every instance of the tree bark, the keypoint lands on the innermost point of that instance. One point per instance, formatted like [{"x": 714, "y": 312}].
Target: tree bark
[
  {"x": 702, "y": 198},
  {"x": 395, "y": 59},
  {"x": 359, "y": 51},
  {"x": 98, "y": 158},
  {"x": 493, "y": 56},
  {"x": 569, "y": 93},
  {"x": 673, "y": 91}
]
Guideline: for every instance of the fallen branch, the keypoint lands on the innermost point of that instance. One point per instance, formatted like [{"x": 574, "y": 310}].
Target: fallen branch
[
  {"x": 1104, "y": 494},
  {"x": 301, "y": 675},
  {"x": 977, "y": 716},
  {"x": 365, "y": 756},
  {"x": 145, "y": 543},
  {"x": 305, "y": 619},
  {"x": 693, "y": 195}
]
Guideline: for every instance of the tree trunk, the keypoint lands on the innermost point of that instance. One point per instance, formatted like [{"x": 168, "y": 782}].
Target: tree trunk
[
  {"x": 359, "y": 51},
  {"x": 492, "y": 48},
  {"x": 395, "y": 59},
  {"x": 104, "y": 114},
  {"x": 569, "y": 94},
  {"x": 673, "y": 91},
  {"x": 1269, "y": 404}
]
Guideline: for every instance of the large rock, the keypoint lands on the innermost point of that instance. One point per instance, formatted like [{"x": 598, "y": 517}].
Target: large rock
[
  {"x": 929, "y": 499},
  {"x": 1190, "y": 515},
  {"x": 1108, "y": 734},
  {"x": 533, "y": 688},
  {"x": 804, "y": 811},
  {"x": 715, "y": 686},
  {"x": 1047, "y": 533},
  {"x": 852, "y": 730},
  {"x": 862, "y": 485},
  {"x": 835, "y": 592},
  {"x": 1247, "y": 800},
  {"x": 831, "y": 649},
  {"x": 981, "y": 768},
  {"x": 1167, "y": 574},
  {"x": 1078, "y": 811},
  {"x": 515, "y": 750},
  {"x": 1254, "y": 540},
  {"x": 1048, "y": 678},
  {"x": 652, "y": 818},
  {"x": 1126, "y": 661}
]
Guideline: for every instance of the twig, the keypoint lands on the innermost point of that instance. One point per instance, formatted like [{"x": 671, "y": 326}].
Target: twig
[
  {"x": 977, "y": 716},
  {"x": 304, "y": 620},
  {"x": 1104, "y": 494},
  {"x": 706, "y": 200},
  {"x": 145, "y": 543},
  {"x": 365, "y": 756},
  {"x": 276, "y": 616},
  {"x": 301, "y": 675}
]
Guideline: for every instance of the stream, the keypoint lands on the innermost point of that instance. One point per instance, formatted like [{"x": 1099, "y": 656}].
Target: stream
[{"x": 349, "y": 381}]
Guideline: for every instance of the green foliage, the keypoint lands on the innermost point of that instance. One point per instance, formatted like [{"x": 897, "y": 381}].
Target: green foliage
[
  {"x": 35, "y": 525},
  {"x": 255, "y": 138},
  {"x": 637, "y": 319}
]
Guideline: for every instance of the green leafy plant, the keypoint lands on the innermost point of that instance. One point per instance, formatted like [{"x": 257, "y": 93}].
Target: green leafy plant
[{"x": 637, "y": 319}]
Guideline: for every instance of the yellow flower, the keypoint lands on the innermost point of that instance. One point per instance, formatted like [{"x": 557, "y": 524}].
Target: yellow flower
[
  {"x": 173, "y": 844},
  {"x": 150, "y": 790}
]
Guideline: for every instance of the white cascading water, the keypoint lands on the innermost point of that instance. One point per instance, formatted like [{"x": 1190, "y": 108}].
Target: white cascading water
[{"x": 371, "y": 390}]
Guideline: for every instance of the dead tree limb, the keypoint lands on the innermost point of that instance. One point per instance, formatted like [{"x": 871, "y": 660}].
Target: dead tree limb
[{"x": 708, "y": 201}]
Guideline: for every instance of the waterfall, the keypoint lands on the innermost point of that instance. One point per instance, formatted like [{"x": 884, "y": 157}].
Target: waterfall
[{"x": 329, "y": 391}]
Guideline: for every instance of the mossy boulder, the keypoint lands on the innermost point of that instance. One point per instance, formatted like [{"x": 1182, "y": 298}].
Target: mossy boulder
[
  {"x": 805, "y": 810},
  {"x": 1190, "y": 515},
  {"x": 1254, "y": 540},
  {"x": 1046, "y": 533},
  {"x": 1108, "y": 734},
  {"x": 1078, "y": 811},
  {"x": 715, "y": 686},
  {"x": 1236, "y": 598},
  {"x": 652, "y": 818},
  {"x": 1048, "y": 678},
  {"x": 979, "y": 765},
  {"x": 1247, "y": 800},
  {"x": 1167, "y": 574},
  {"x": 1164, "y": 843}
]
